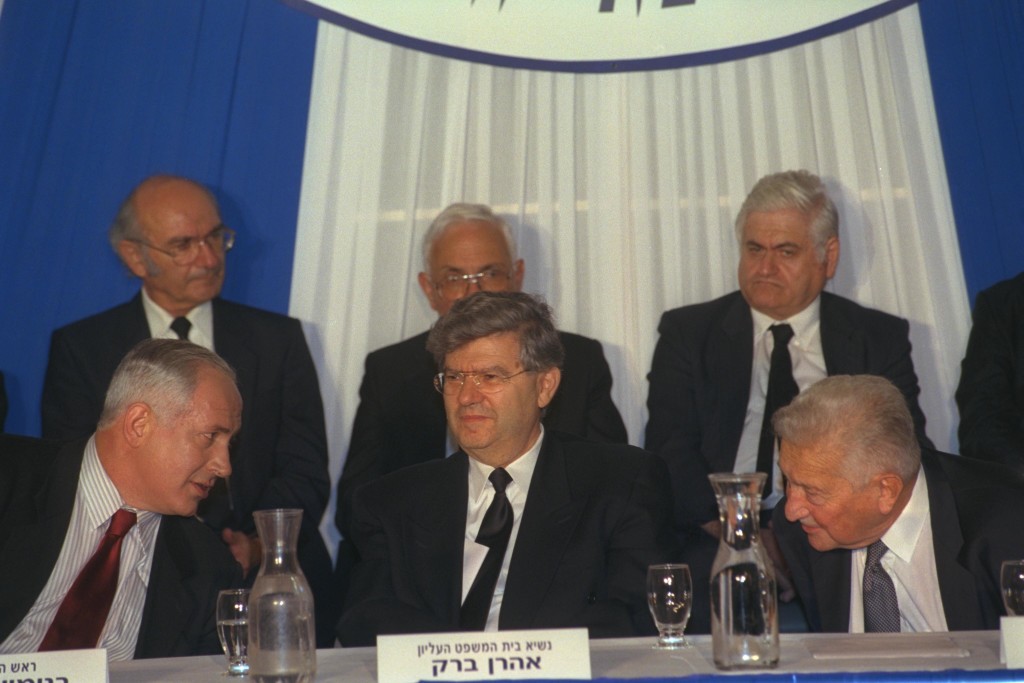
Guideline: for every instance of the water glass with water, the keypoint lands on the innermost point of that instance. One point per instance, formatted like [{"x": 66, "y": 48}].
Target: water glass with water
[{"x": 233, "y": 628}]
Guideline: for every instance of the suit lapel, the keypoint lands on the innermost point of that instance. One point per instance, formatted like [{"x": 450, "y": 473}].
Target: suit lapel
[
  {"x": 429, "y": 405},
  {"x": 231, "y": 344},
  {"x": 842, "y": 342},
  {"x": 551, "y": 514},
  {"x": 830, "y": 575},
  {"x": 171, "y": 595},
  {"x": 957, "y": 585},
  {"x": 731, "y": 362},
  {"x": 434, "y": 538}
]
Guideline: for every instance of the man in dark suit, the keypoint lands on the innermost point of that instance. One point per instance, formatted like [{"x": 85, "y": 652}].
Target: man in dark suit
[
  {"x": 991, "y": 392},
  {"x": 169, "y": 233},
  {"x": 709, "y": 375},
  {"x": 400, "y": 420},
  {"x": 523, "y": 527},
  {"x": 880, "y": 536},
  {"x": 161, "y": 442}
]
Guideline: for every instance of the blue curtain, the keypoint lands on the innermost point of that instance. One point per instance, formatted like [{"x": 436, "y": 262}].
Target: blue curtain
[
  {"x": 96, "y": 95},
  {"x": 976, "y": 60}
]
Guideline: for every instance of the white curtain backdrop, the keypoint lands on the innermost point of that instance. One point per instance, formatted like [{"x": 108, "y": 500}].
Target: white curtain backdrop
[{"x": 622, "y": 189}]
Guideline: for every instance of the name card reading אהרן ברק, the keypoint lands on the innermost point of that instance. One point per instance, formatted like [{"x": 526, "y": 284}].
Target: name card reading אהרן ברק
[
  {"x": 1011, "y": 642},
  {"x": 480, "y": 655},
  {"x": 61, "y": 666}
]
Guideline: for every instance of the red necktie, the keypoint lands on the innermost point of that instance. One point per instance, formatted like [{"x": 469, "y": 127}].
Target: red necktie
[{"x": 83, "y": 612}]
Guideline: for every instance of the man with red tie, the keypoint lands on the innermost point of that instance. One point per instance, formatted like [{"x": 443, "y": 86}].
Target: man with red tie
[{"x": 110, "y": 552}]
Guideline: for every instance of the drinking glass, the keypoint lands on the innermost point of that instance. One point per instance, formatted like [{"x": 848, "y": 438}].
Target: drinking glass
[
  {"x": 233, "y": 628},
  {"x": 1011, "y": 581},
  {"x": 670, "y": 597}
]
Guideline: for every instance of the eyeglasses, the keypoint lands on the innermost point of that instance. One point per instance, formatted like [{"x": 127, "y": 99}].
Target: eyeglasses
[
  {"x": 185, "y": 250},
  {"x": 455, "y": 286},
  {"x": 451, "y": 383}
]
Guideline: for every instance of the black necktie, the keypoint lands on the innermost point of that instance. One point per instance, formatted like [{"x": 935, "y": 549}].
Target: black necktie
[
  {"x": 181, "y": 326},
  {"x": 781, "y": 390},
  {"x": 494, "y": 532},
  {"x": 881, "y": 608}
]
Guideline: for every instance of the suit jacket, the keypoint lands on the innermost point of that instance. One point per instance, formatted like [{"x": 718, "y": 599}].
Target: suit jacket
[
  {"x": 700, "y": 384},
  {"x": 38, "y": 482},
  {"x": 401, "y": 421},
  {"x": 976, "y": 508},
  {"x": 597, "y": 515},
  {"x": 280, "y": 457},
  {"x": 991, "y": 391}
]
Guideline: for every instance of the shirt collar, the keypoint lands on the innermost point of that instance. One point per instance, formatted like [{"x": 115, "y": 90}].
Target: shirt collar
[
  {"x": 103, "y": 498},
  {"x": 901, "y": 538},
  {"x": 159, "y": 320},
  {"x": 804, "y": 323},
  {"x": 520, "y": 469}
]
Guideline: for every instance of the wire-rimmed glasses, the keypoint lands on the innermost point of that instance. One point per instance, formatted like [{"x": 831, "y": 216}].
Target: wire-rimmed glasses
[
  {"x": 456, "y": 286},
  {"x": 450, "y": 382},
  {"x": 184, "y": 250}
]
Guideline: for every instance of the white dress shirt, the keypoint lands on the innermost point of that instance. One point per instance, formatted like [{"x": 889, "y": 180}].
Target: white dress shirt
[
  {"x": 911, "y": 564},
  {"x": 481, "y": 493},
  {"x": 96, "y": 501},
  {"x": 808, "y": 360},
  {"x": 159, "y": 322}
]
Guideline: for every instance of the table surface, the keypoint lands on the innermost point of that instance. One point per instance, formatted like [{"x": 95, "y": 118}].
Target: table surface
[{"x": 634, "y": 658}]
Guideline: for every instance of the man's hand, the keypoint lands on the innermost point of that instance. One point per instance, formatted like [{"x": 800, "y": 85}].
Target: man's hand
[{"x": 247, "y": 550}]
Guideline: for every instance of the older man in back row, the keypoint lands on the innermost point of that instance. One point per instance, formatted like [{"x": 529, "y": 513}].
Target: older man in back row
[
  {"x": 124, "y": 497},
  {"x": 523, "y": 527},
  {"x": 722, "y": 367},
  {"x": 400, "y": 420},
  {"x": 169, "y": 234},
  {"x": 881, "y": 536}
]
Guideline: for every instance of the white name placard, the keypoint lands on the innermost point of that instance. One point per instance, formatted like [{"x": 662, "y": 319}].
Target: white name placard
[
  {"x": 554, "y": 653},
  {"x": 66, "y": 666},
  {"x": 1011, "y": 642}
]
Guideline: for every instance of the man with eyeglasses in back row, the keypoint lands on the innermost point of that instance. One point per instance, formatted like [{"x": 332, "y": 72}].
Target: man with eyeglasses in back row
[
  {"x": 168, "y": 232},
  {"x": 401, "y": 421}
]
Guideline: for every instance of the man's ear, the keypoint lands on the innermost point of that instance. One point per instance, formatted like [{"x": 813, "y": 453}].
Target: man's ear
[
  {"x": 137, "y": 423},
  {"x": 889, "y": 486},
  {"x": 517, "y": 274},
  {"x": 548, "y": 381},
  {"x": 131, "y": 254},
  {"x": 430, "y": 291}
]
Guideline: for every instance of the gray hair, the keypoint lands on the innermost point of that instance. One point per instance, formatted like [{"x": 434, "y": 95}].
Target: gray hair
[
  {"x": 461, "y": 213},
  {"x": 485, "y": 313},
  {"x": 800, "y": 190},
  {"x": 126, "y": 223},
  {"x": 162, "y": 373},
  {"x": 864, "y": 417}
]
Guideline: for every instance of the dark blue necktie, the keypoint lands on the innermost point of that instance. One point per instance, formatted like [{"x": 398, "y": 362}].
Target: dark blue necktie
[{"x": 881, "y": 608}]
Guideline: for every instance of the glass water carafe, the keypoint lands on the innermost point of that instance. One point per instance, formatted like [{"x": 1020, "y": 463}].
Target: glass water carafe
[
  {"x": 282, "y": 644},
  {"x": 744, "y": 614}
]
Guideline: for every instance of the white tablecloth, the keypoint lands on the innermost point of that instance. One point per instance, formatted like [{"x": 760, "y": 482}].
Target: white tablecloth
[{"x": 634, "y": 658}]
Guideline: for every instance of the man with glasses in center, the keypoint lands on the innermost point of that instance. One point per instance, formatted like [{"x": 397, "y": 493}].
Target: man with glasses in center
[
  {"x": 400, "y": 420},
  {"x": 523, "y": 527},
  {"x": 169, "y": 234}
]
